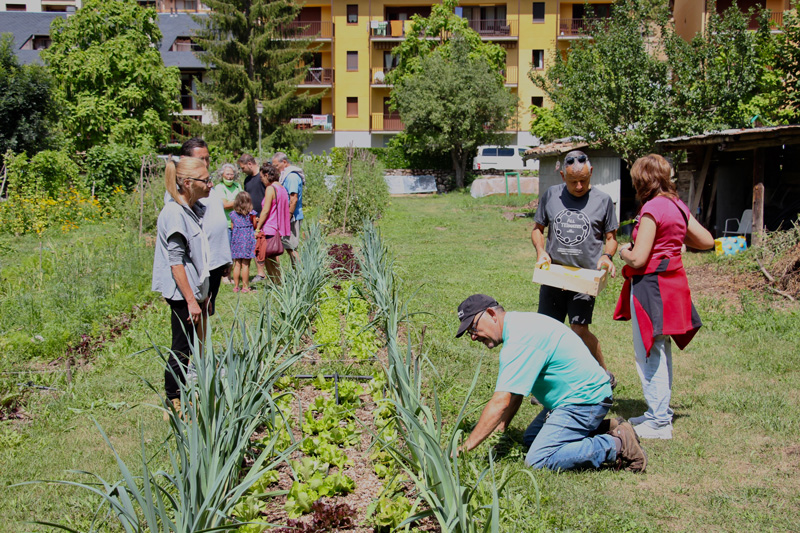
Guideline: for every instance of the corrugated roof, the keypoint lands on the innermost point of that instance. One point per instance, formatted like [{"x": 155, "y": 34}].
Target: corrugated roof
[
  {"x": 778, "y": 134},
  {"x": 557, "y": 147}
]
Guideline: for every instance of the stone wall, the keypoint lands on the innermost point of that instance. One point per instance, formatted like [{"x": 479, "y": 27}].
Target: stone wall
[{"x": 444, "y": 178}]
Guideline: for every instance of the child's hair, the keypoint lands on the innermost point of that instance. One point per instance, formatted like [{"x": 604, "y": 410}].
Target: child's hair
[{"x": 242, "y": 204}]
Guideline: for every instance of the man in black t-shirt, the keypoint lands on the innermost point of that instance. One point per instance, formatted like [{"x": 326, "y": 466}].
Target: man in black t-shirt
[
  {"x": 583, "y": 225},
  {"x": 256, "y": 189}
]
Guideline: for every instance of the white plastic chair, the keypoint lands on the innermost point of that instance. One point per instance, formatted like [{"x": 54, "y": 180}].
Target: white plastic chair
[{"x": 744, "y": 225}]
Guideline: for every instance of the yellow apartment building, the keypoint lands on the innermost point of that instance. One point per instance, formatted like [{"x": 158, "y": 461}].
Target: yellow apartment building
[{"x": 691, "y": 16}]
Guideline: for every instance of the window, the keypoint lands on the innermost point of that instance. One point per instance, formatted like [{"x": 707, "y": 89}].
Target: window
[
  {"x": 489, "y": 152},
  {"x": 538, "y": 11},
  {"x": 352, "y": 106},
  {"x": 352, "y": 13},
  {"x": 16, "y": 7},
  {"x": 505, "y": 152},
  {"x": 538, "y": 60},
  {"x": 352, "y": 61},
  {"x": 537, "y": 101}
]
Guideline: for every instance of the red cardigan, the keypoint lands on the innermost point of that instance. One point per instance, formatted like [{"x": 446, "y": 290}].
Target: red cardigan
[{"x": 662, "y": 300}]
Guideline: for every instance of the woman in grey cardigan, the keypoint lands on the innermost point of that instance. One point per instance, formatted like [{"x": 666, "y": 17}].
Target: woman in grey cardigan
[{"x": 180, "y": 265}]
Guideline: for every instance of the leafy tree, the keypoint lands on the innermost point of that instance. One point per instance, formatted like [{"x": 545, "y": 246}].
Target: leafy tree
[
  {"x": 111, "y": 82},
  {"x": 25, "y": 102},
  {"x": 637, "y": 81},
  {"x": 454, "y": 102},
  {"x": 254, "y": 54},
  {"x": 723, "y": 78},
  {"x": 787, "y": 65},
  {"x": 612, "y": 89},
  {"x": 443, "y": 25}
]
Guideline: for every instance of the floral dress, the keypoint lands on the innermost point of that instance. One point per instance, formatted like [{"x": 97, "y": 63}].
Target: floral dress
[{"x": 243, "y": 240}]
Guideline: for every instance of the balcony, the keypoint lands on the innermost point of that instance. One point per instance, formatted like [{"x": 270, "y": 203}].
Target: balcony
[
  {"x": 577, "y": 28},
  {"x": 387, "y": 29},
  {"x": 511, "y": 75},
  {"x": 378, "y": 77},
  {"x": 318, "y": 123},
  {"x": 775, "y": 21},
  {"x": 386, "y": 122},
  {"x": 495, "y": 29},
  {"x": 318, "y": 77},
  {"x": 303, "y": 29}
]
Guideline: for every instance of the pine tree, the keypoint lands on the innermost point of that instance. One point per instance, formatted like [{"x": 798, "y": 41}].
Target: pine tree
[{"x": 254, "y": 53}]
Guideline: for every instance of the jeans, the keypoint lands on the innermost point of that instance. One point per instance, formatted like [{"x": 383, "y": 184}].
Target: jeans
[
  {"x": 565, "y": 438},
  {"x": 655, "y": 372}
]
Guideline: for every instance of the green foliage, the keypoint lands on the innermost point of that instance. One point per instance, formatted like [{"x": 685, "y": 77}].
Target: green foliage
[
  {"x": 112, "y": 166},
  {"x": 359, "y": 192},
  {"x": 616, "y": 90},
  {"x": 391, "y": 511},
  {"x": 786, "y": 72},
  {"x": 111, "y": 83},
  {"x": 250, "y": 59},
  {"x": 342, "y": 328},
  {"x": 455, "y": 102},
  {"x": 545, "y": 125},
  {"x": 46, "y": 174},
  {"x": 26, "y": 105},
  {"x": 303, "y": 495}
]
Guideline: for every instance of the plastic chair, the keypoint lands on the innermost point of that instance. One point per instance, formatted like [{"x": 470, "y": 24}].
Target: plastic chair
[{"x": 744, "y": 225}]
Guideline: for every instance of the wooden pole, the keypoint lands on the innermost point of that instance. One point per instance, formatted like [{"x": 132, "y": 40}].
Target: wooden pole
[
  {"x": 141, "y": 198},
  {"x": 701, "y": 181},
  {"x": 758, "y": 197}
]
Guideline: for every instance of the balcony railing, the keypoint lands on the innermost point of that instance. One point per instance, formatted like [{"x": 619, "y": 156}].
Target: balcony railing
[
  {"x": 511, "y": 74},
  {"x": 387, "y": 28},
  {"x": 387, "y": 122},
  {"x": 577, "y": 27},
  {"x": 378, "y": 76},
  {"x": 319, "y": 76},
  {"x": 319, "y": 123},
  {"x": 308, "y": 29},
  {"x": 494, "y": 27}
]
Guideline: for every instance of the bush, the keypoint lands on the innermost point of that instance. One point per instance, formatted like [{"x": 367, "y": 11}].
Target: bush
[
  {"x": 358, "y": 192},
  {"x": 315, "y": 168},
  {"x": 394, "y": 156},
  {"x": 48, "y": 173},
  {"x": 112, "y": 166}
]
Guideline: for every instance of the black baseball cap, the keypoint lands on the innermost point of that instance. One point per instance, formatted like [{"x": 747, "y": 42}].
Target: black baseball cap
[{"x": 471, "y": 307}]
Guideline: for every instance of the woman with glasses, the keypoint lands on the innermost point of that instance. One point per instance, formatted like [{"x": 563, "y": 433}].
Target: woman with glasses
[
  {"x": 180, "y": 266},
  {"x": 655, "y": 296}
]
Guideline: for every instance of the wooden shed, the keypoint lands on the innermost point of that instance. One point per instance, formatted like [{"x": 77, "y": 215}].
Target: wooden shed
[{"x": 728, "y": 172}]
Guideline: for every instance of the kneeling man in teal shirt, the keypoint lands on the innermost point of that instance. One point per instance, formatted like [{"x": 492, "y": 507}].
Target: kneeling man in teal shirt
[{"x": 543, "y": 357}]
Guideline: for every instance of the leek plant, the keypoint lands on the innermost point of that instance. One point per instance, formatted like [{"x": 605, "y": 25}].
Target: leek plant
[
  {"x": 297, "y": 296},
  {"x": 430, "y": 455},
  {"x": 220, "y": 409}
]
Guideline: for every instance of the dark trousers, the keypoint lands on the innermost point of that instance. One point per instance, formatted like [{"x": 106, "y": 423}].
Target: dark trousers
[
  {"x": 214, "y": 279},
  {"x": 183, "y": 331}
]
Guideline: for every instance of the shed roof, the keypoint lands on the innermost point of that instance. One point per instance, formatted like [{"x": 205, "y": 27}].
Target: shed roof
[
  {"x": 557, "y": 147},
  {"x": 736, "y": 139}
]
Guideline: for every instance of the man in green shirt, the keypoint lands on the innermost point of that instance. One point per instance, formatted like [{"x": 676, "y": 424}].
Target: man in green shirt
[{"x": 543, "y": 357}]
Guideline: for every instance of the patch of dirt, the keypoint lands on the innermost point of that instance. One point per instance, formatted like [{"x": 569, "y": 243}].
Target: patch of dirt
[{"x": 718, "y": 283}]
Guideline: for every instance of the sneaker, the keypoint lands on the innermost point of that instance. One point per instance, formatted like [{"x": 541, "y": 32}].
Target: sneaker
[
  {"x": 636, "y": 420},
  {"x": 534, "y": 401},
  {"x": 646, "y": 431},
  {"x": 257, "y": 279},
  {"x": 631, "y": 455},
  {"x": 612, "y": 379}
]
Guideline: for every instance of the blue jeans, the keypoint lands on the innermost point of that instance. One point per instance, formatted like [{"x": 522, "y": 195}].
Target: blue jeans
[
  {"x": 564, "y": 438},
  {"x": 655, "y": 372}
]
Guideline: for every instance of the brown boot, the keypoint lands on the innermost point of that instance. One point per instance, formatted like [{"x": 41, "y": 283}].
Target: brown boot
[
  {"x": 631, "y": 456},
  {"x": 608, "y": 425}
]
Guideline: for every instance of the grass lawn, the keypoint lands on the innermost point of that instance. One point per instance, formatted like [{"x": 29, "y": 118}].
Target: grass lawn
[{"x": 734, "y": 462}]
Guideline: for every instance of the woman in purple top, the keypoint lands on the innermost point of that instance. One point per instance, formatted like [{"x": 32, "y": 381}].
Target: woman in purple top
[{"x": 274, "y": 220}]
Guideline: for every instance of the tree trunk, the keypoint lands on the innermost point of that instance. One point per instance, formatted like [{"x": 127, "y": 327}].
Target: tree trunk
[{"x": 459, "y": 162}]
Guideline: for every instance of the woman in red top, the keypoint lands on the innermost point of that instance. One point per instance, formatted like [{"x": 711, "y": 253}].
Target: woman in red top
[{"x": 656, "y": 294}]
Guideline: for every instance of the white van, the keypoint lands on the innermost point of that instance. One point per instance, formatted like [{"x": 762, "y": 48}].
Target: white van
[{"x": 502, "y": 158}]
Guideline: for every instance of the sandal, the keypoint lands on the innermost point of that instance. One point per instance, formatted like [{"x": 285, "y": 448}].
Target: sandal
[
  {"x": 236, "y": 289},
  {"x": 246, "y": 290}
]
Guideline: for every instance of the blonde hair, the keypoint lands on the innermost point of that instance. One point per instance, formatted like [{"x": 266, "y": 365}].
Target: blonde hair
[
  {"x": 651, "y": 176},
  {"x": 187, "y": 167}
]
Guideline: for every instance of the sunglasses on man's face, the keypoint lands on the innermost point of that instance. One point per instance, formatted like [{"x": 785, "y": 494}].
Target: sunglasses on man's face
[{"x": 571, "y": 159}]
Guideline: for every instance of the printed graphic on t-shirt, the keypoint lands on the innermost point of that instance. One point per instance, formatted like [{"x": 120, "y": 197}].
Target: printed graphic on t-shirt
[{"x": 571, "y": 227}]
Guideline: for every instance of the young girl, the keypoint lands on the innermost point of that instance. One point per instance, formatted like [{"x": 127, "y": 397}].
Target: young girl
[{"x": 243, "y": 242}]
